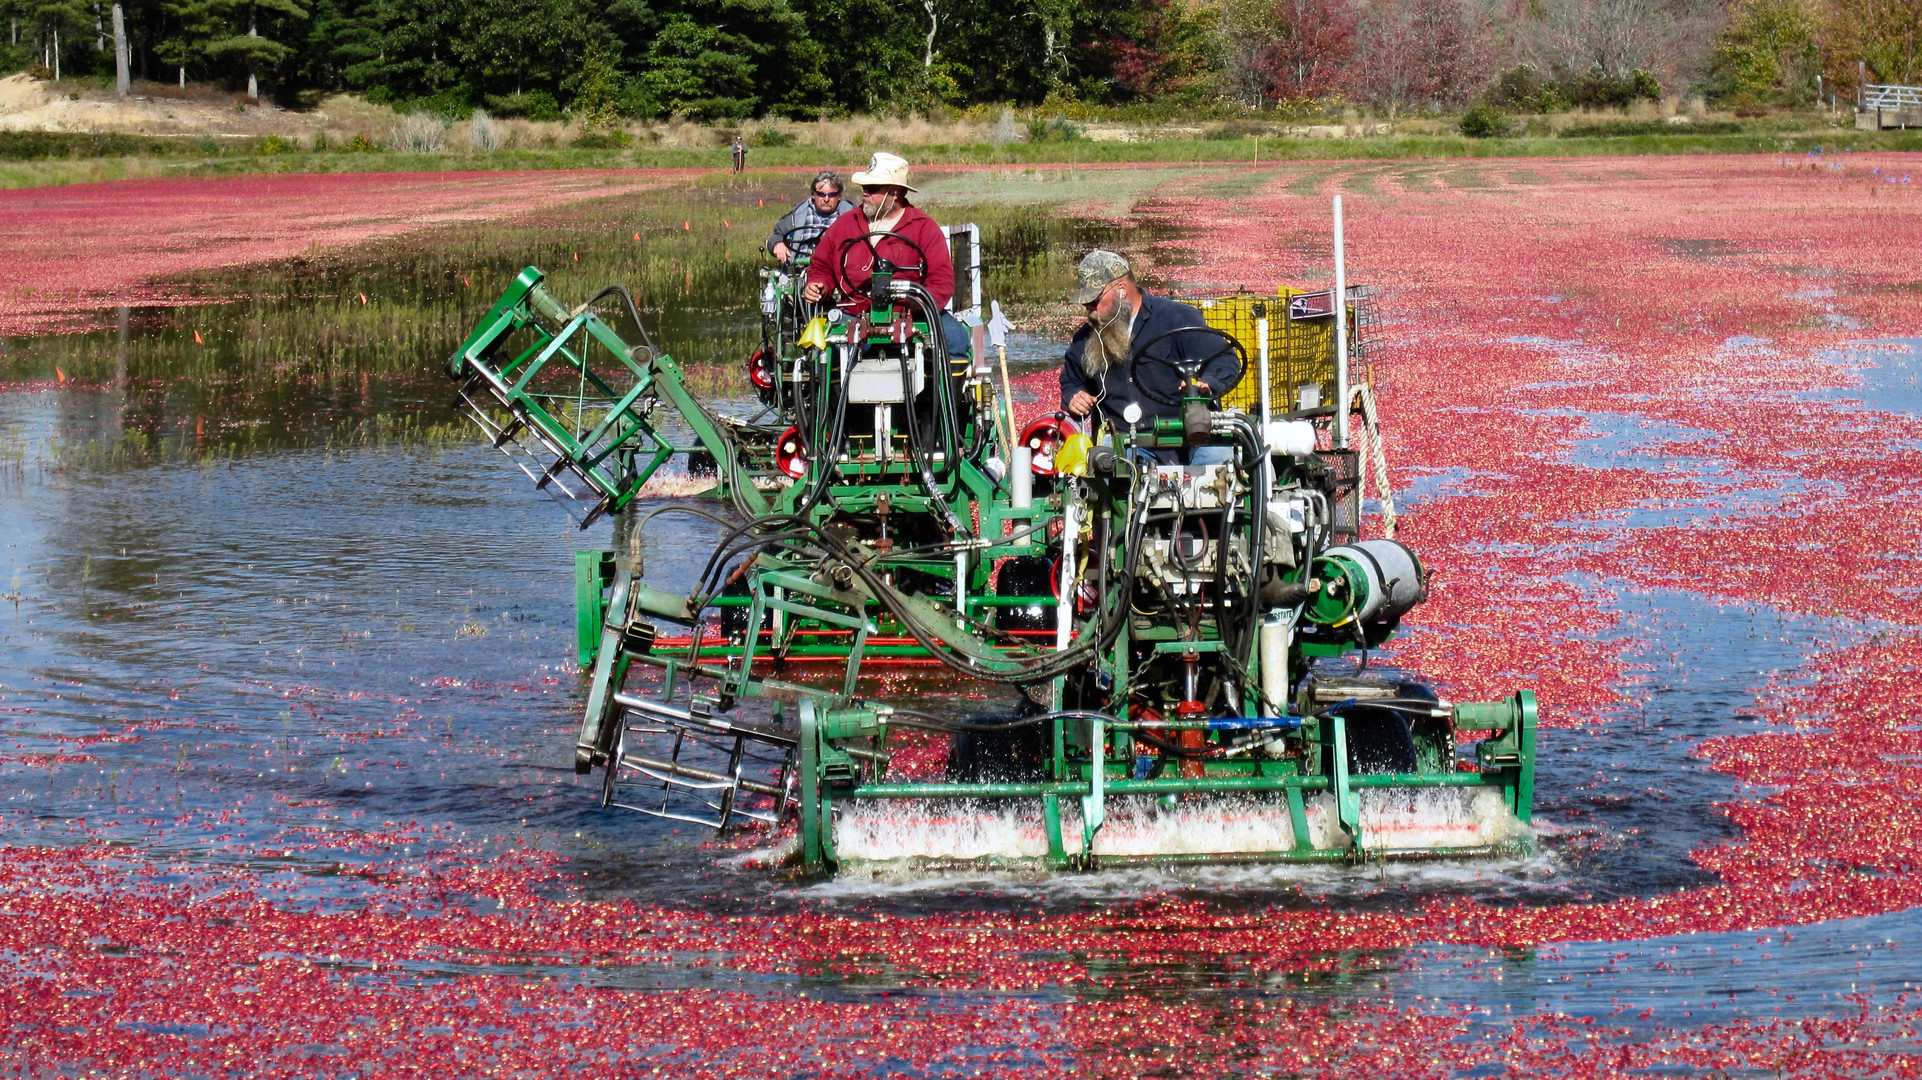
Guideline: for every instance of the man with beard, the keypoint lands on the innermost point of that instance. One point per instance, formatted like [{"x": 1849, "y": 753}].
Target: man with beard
[
  {"x": 1100, "y": 369},
  {"x": 843, "y": 263}
]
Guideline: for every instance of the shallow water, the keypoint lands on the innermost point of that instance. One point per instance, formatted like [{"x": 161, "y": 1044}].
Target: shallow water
[
  {"x": 364, "y": 625},
  {"x": 387, "y": 630}
]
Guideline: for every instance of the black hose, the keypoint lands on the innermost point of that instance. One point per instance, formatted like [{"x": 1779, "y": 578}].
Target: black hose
[
  {"x": 633, "y": 311},
  {"x": 831, "y": 456},
  {"x": 938, "y": 338},
  {"x": 917, "y": 450},
  {"x": 679, "y": 508},
  {"x": 1034, "y": 669}
]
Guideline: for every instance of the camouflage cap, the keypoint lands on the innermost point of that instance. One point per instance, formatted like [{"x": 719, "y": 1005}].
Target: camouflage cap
[{"x": 1098, "y": 269}]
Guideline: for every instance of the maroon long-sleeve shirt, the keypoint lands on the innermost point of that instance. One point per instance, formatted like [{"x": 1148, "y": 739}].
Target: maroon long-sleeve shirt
[{"x": 846, "y": 234}]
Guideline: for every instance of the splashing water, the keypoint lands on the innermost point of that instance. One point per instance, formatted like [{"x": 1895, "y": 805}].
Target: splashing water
[{"x": 1424, "y": 819}]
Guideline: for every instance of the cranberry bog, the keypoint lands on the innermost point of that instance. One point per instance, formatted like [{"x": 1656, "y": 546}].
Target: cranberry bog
[{"x": 284, "y": 724}]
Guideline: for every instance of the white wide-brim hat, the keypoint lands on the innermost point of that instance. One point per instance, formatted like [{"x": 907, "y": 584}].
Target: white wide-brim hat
[{"x": 885, "y": 170}]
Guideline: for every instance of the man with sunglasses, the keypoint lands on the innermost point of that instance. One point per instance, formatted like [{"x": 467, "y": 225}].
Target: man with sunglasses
[
  {"x": 843, "y": 264},
  {"x": 796, "y": 234}
]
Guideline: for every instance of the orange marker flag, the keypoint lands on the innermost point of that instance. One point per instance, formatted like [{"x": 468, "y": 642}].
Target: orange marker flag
[
  {"x": 724, "y": 224},
  {"x": 197, "y": 340},
  {"x": 637, "y": 236},
  {"x": 58, "y": 375},
  {"x": 363, "y": 299},
  {"x": 686, "y": 226}
]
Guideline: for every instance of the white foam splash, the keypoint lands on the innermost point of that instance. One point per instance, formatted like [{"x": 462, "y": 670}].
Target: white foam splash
[
  {"x": 958, "y": 829},
  {"x": 1423, "y": 819}
]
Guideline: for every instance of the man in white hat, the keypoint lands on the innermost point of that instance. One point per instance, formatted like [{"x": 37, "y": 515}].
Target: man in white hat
[{"x": 843, "y": 262}]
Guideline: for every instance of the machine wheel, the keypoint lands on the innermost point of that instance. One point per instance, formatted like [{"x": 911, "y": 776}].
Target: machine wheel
[
  {"x": 1024, "y": 575},
  {"x": 1379, "y": 742},
  {"x": 733, "y": 618},
  {"x": 998, "y": 755}
]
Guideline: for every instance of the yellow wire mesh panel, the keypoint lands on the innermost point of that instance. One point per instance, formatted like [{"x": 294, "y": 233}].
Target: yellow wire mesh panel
[{"x": 1301, "y": 352}]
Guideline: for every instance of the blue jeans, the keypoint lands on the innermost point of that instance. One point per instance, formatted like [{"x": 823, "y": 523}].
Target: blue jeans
[
  {"x": 1211, "y": 455},
  {"x": 960, "y": 338}
]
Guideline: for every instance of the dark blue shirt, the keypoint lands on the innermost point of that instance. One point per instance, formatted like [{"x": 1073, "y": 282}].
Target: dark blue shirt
[{"x": 1118, "y": 385}]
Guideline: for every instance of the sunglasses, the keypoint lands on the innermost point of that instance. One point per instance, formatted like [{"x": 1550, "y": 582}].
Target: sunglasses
[{"x": 827, "y": 194}]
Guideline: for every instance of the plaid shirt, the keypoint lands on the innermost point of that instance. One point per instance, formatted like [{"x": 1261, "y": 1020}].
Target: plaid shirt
[{"x": 810, "y": 221}]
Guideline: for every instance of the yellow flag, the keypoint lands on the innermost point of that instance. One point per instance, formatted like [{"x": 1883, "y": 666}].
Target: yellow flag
[
  {"x": 1071, "y": 459},
  {"x": 815, "y": 336}
]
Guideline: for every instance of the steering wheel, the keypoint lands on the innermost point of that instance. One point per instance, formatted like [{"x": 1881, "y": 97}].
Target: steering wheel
[
  {"x": 794, "y": 240},
  {"x": 1189, "y": 369},
  {"x": 872, "y": 242}
]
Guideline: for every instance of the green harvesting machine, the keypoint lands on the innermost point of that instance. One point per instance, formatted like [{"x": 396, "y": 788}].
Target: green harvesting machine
[{"x": 1182, "y": 648}]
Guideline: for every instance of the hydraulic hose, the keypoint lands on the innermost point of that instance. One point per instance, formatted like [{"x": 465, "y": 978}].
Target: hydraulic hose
[
  {"x": 921, "y": 454},
  {"x": 918, "y": 294},
  {"x": 830, "y": 456}
]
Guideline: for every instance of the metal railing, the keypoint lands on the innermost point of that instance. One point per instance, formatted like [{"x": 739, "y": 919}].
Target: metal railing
[{"x": 1893, "y": 98}]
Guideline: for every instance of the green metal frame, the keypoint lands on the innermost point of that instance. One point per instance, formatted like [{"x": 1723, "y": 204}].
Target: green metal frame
[
  {"x": 796, "y": 607},
  {"x": 605, "y": 439}
]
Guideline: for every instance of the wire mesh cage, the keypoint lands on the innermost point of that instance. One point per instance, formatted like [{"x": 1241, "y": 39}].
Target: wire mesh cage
[
  {"x": 1301, "y": 344},
  {"x": 1344, "y": 467},
  {"x": 703, "y": 770}
]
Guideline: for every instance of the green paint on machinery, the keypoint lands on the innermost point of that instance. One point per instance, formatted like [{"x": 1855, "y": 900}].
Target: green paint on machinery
[{"x": 1198, "y": 692}]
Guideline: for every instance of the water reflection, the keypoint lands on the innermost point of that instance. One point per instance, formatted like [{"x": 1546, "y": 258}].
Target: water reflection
[
  {"x": 260, "y": 585},
  {"x": 350, "y": 351}
]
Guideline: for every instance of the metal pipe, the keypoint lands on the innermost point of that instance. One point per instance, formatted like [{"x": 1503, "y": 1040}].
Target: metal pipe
[
  {"x": 1310, "y": 855},
  {"x": 1163, "y": 786},
  {"x": 1021, "y": 478},
  {"x": 1230, "y": 858},
  {"x": 1267, "y": 414},
  {"x": 711, "y": 724},
  {"x": 1064, "y": 613},
  {"x": 1341, "y": 335},
  {"x": 1274, "y": 662},
  {"x": 654, "y": 765}
]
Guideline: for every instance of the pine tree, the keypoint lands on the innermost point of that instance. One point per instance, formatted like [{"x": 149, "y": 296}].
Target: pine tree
[
  {"x": 250, "y": 49},
  {"x": 190, "y": 27},
  {"x": 52, "y": 18}
]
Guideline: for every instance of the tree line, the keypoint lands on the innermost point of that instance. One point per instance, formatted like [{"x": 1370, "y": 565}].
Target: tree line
[{"x": 804, "y": 59}]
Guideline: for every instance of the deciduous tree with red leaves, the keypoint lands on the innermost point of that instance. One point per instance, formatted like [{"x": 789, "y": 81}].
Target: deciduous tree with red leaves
[
  {"x": 1167, "y": 51},
  {"x": 1420, "y": 53},
  {"x": 1315, "y": 43}
]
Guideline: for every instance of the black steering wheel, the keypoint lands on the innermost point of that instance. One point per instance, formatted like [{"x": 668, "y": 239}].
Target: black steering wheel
[
  {"x": 793, "y": 240},
  {"x": 872, "y": 242},
  {"x": 1188, "y": 369}
]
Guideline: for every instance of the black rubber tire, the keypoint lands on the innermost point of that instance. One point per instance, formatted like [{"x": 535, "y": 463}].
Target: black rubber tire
[
  {"x": 1006, "y": 756},
  {"x": 1379, "y": 742},
  {"x": 1024, "y": 575}
]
